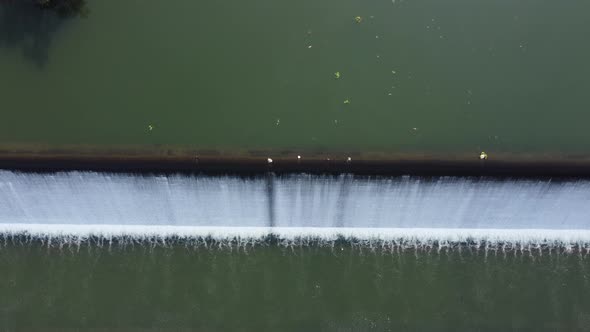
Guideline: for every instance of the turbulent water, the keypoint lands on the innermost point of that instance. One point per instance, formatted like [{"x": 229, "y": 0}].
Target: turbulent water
[{"x": 398, "y": 210}]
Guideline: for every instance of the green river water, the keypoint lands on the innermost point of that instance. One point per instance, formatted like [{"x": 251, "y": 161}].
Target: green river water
[
  {"x": 415, "y": 76},
  {"x": 279, "y": 289},
  {"x": 453, "y": 76}
]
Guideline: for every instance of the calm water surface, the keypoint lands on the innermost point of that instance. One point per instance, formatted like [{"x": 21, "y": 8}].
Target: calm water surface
[
  {"x": 282, "y": 289},
  {"x": 419, "y": 75}
]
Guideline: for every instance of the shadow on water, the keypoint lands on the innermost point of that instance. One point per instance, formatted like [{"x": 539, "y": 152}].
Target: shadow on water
[{"x": 31, "y": 27}]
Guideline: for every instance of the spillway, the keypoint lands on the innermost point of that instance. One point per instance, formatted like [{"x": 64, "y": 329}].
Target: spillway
[{"x": 405, "y": 209}]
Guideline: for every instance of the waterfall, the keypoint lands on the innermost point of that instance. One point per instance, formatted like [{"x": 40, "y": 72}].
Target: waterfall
[{"x": 295, "y": 206}]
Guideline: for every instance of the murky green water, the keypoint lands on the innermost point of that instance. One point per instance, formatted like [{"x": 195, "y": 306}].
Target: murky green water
[
  {"x": 457, "y": 76},
  {"x": 419, "y": 75},
  {"x": 276, "y": 289}
]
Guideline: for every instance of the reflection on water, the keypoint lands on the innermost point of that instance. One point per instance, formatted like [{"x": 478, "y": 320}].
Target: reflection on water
[
  {"x": 65, "y": 8},
  {"x": 24, "y": 26},
  {"x": 31, "y": 25}
]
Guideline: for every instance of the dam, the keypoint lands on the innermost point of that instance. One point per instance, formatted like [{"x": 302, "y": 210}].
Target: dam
[
  {"x": 440, "y": 209},
  {"x": 282, "y": 165}
]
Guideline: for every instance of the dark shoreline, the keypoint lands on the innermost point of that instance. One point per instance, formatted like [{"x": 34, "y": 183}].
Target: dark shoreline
[{"x": 425, "y": 166}]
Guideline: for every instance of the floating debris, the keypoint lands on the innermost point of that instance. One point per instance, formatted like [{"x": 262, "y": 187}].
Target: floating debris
[
  {"x": 337, "y": 75},
  {"x": 298, "y": 157},
  {"x": 346, "y": 101},
  {"x": 150, "y": 127},
  {"x": 483, "y": 156},
  {"x": 309, "y": 46},
  {"x": 358, "y": 19},
  {"x": 393, "y": 72},
  {"x": 268, "y": 160},
  {"x": 348, "y": 159}
]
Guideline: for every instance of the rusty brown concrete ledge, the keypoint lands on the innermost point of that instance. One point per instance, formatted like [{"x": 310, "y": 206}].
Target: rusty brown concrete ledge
[{"x": 168, "y": 159}]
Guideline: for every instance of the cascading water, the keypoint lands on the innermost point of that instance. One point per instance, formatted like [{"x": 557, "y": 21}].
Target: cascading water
[{"x": 401, "y": 210}]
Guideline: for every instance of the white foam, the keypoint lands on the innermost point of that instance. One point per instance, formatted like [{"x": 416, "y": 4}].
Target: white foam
[{"x": 327, "y": 234}]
